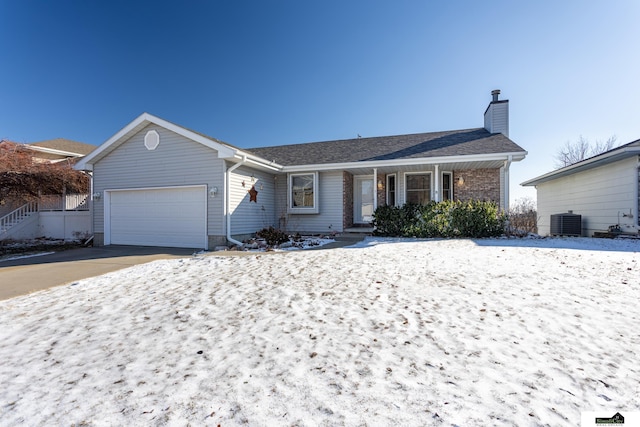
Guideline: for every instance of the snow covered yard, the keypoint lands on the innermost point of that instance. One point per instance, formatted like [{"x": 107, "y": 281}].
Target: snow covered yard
[{"x": 388, "y": 332}]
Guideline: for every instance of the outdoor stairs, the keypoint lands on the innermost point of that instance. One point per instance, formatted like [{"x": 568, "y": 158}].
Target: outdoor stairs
[
  {"x": 16, "y": 217},
  {"x": 354, "y": 234},
  {"x": 359, "y": 230}
]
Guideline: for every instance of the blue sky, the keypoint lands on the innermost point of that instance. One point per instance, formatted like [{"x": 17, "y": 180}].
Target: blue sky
[{"x": 258, "y": 73}]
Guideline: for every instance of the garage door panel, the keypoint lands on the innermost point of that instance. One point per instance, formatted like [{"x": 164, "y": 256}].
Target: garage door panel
[{"x": 174, "y": 217}]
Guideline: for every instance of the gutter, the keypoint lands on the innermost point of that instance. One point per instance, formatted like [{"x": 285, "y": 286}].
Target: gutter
[
  {"x": 514, "y": 157},
  {"x": 227, "y": 195},
  {"x": 258, "y": 161}
]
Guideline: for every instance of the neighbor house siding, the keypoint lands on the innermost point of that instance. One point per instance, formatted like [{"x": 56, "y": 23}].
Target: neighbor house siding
[
  {"x": 177, "y": 161},
  {"x": 330, "y": 217},
  {"x": 601, "y": 195},
  {"x": 247, "y": 217}
]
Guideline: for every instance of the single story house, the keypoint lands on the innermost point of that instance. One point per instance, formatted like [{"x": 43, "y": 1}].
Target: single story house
[
  {"x": 603, "y": 190},
  {"x": 159, "y": 184}
]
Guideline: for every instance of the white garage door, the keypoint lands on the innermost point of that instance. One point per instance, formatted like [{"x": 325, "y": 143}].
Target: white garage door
[{"x": 172, "y": 217}]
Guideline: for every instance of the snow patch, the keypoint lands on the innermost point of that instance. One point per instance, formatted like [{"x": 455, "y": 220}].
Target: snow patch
[{"x": 385, "y": 332}]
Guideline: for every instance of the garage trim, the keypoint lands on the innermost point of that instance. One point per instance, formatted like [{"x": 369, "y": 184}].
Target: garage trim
[{"x": 107, "y": 209}]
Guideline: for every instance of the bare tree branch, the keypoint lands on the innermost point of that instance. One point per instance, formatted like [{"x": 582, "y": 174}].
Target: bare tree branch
[
  {"x": 22, "y": 178},
  {"x": 577, "y": 151}
]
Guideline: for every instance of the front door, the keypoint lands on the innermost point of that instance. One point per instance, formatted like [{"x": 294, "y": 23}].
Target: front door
[{"x": 363, "y": 199}]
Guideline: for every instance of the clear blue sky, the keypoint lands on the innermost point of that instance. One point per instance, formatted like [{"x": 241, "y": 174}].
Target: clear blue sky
[{"x": 257, "y": 73}]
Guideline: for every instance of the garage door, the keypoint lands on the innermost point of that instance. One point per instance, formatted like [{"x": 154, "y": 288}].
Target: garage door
[{"x": 172, "y": 217}]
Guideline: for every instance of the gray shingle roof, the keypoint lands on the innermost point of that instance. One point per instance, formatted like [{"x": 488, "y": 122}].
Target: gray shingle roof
[
  {"x": 66, "y": 145},
  {"x": 420, "y": 145}
]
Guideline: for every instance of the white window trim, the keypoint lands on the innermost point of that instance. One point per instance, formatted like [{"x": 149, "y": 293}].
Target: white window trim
[
  {"x": 316, "y": 190},
  {"x": 394, "y": 175},
  {"x": 406, "y": 174}
]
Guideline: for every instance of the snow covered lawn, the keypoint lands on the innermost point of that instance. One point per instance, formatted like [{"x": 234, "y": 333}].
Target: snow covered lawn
[{"x": 388, "y": 332}]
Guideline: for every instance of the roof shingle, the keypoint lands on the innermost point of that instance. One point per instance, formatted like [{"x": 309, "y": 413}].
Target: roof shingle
[{"x": 421, "y": 145}]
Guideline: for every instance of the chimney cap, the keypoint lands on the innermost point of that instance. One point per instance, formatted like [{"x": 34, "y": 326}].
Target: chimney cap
[{"x": 495, "y": 94}]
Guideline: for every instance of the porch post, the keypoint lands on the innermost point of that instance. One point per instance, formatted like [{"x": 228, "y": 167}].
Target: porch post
[
  {"x": 436, "y": 183},
  {"x": 375, "y": 189}
]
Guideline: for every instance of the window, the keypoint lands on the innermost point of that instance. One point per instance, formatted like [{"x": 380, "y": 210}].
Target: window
[
  {"x": 418, "y": 188},
  {"x": 447, "y": 193},
  {"x": 391, "y": 190},
  {"x": 303, "y": 193}
]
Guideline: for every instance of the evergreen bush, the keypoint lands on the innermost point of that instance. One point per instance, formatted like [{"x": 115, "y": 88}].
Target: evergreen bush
[{"x": 449, "y": 218}]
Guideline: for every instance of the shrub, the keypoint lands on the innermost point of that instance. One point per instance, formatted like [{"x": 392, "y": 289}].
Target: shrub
[
  {"x": 273, "y": 236},
  {"x": 444, "y": 219},
  {"x": 522, "y": 217}
]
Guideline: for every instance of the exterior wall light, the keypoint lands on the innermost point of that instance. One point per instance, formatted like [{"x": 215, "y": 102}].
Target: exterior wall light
[
  {"x": 460, "y": 180},
  {"x": 380, "y": 185},
  {"x": 213, "y": 191},
  {"x": 97, "y": 195}
]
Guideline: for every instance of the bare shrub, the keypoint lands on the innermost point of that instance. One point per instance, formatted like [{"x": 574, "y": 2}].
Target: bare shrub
[{"x": 522, "y": 217}]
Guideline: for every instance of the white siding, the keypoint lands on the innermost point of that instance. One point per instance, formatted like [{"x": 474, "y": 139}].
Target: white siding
[
  {"x": 601, "y": 195},
  {"x": 331, "y": 212},
  {"x": 247, "y": 217},
  {"x": 177, "y": 161}
]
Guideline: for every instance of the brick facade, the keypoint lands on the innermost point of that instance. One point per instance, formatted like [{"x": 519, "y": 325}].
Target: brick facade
[
  {"x": 347, "y": 200},
  {"x": 479, "y": 184}
]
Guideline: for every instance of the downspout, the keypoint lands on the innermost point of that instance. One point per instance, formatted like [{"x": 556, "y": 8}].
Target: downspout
[
  {"x": 227, "y": 195},
  {"x": 507, "y": 164}
]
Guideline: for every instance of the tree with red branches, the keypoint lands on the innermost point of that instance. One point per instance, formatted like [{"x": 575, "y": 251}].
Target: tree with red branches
[{"x": 24, "y": 178}]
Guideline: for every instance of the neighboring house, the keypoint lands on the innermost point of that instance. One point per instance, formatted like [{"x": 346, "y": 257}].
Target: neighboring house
[
  {"x": 59, "y": 149},
  {"x": 62, "y": 216},
  {"x": 602, "y": 189},
  {"x": 159, "y": 184}
]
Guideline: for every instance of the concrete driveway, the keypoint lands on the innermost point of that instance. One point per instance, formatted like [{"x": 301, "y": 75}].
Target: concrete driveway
[{"x": 26, "y": 275}]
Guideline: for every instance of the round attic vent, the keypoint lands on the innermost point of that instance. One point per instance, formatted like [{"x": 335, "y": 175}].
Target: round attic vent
[{"x": 151, "y": 140}]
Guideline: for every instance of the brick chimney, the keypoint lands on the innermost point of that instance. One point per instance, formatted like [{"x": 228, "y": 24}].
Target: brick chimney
[{"x": 496, "y": 116}]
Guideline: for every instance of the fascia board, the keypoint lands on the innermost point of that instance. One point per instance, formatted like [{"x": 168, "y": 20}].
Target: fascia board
[
  {"x": 224, "y": 151},
  {"x": 258, "y": 161},
  {"x": 594, "y": 162},
  {"x": 51, "y": 150},
  {"x": 517, "y": 156},
  {"x": 86, "y": 163}
]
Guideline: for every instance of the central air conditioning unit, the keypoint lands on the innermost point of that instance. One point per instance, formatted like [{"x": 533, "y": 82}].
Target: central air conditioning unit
[{"x": 566, "y": 224}]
